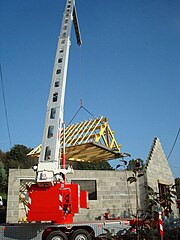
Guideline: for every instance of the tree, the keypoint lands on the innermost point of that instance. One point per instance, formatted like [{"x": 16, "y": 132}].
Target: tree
[
  {"x": 102, "y": 165},
  {"x": 134, "y": 178},
  {"x": 17, "y": 158},
  {"x": 137, "y": 173},
  {"x": 2, "y": 155},
  {"x": 132, "y": 164},
  {"x": 3, "y": 177}
]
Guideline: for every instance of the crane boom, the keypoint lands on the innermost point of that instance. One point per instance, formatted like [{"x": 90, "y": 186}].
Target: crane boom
[{"x": 49, "y": 169}]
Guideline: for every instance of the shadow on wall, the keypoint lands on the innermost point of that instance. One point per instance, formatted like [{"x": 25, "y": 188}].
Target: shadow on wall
[
  {"x": 2, "y": 215},
  {"x": 117, "y": 213}
]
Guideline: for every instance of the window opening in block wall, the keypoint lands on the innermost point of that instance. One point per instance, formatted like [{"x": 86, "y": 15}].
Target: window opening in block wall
[
  {"x": 163, "y": 188},
  {"x": 88, "y": 185}
]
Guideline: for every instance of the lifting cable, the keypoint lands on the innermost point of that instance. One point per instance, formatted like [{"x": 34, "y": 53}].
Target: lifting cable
[
  {"x": 81, "y": 106},
  {"x": 81, "y": 66},
  {"x": 174, "y": 143},
  {"x": 5, "y": 107},
  {"x": 81, "y": 80}
]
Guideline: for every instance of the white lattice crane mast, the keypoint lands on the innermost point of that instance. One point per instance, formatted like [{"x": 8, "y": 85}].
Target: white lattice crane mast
[{"x": 49, "y": 169}]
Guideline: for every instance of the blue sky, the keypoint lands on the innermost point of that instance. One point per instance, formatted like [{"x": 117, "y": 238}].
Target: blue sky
[{"x": 128, "y": 70}]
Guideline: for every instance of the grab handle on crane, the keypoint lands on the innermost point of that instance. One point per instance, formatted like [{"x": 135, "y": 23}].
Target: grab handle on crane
[{"x": 64, "y": 149}]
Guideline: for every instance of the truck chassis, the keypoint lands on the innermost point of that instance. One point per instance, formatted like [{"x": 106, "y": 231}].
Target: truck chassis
[{"x": 48, "y": 231}]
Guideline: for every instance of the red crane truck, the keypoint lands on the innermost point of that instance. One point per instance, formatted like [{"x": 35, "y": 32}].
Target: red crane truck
[{"x": 52, "y": 201}]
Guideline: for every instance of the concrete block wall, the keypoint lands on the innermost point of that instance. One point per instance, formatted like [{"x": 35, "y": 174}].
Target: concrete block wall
[
  {"x": 15, "y": 175},
  {"x": 113, "y": 194},
  {"x": 157, "y": 166},
  {"x": 158, "y": 170}
]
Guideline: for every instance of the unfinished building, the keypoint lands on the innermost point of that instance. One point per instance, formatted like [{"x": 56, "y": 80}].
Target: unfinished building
[{"x": 108, "y": 191}]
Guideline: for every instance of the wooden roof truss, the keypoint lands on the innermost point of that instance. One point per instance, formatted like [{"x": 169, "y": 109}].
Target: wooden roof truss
[{"x": 90, "y": 134}]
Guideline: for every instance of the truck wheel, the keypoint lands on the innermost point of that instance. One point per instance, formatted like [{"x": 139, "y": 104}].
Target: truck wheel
[
  {"x": 81, "y": 234},
  {"x": 57, "y": 235}
]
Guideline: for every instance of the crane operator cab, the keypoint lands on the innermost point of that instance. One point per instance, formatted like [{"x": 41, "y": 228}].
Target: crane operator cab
[{"x": 50, "y": 177}]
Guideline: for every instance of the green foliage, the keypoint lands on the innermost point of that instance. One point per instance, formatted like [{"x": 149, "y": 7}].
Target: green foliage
[
  {"x": 17, "y": 158},
  {"x": 150, "y": 190},
  {"x": 3, "y": 177},
  {"x": 2, "y": 155},
  {"x": 155, "y": 201},
  {"x": 132, "y": 179},
  {"x": 103, "y": 165},
  {"x": 177, "y": 184},
  {"x": 132, "y": 164}
]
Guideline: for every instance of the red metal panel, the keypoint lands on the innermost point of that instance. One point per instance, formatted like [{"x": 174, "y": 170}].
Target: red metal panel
[
  {"x": 75, "y": 195},
  {"x": 56, "y": 203},
  {"x": 45, "y": 204},
  {"x": 84, "y": 200}
]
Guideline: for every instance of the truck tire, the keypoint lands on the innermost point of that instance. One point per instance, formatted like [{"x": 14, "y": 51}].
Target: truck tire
[
  {"x": 57, "y": 235},
  {"x": 81, "y": 234}
]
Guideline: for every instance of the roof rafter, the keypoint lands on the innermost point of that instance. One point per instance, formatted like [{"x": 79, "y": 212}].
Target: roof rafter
[{"x": 91, "y": 140}]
